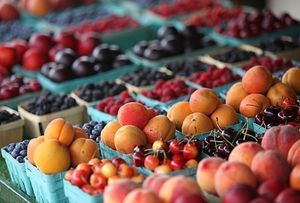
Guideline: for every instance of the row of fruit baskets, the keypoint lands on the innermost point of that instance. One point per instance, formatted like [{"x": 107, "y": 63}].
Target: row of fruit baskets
[{"x": 177, "y": 101}]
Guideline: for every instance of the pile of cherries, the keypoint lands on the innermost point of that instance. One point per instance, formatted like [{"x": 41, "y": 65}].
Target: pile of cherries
[
  {"x": 167, "y": 10},
  {"x": 221, "y": 142},
  {"x": 248, "y": 25},
  {"x": 289, "y": 114},
  {"x": 16, "y": 85},
  {"x": 172, "y": 42},
  {"x": 111, "y": 105},
  {"x": 109, "y": 24},
  {"x": 214, "y": 77},
  {"x": 213, "y": 16},
  {"x": 165, "y": 157},
  {"x": 272, "y": 64},
  {"x": 186, "y": 68},
  {"x": 165, "y": 91}
]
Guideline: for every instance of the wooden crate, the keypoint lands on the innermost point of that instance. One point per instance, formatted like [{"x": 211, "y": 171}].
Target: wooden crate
[
  {"x": 11, "y": 132},
  {"x": 35, "y": 125}
]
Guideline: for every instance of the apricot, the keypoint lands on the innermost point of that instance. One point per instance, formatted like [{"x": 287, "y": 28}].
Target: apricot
[
  {"x": 281, "y": 138},
  {"x": 83, "y": 150},
  {"x": 133, "y": 113},
  {"x": 142, "y": 195},
  {"x": 253, "y": 104},
  {"x": 177, "y": 186},
  {"x": 294, "y": 154},
  {"x": 278, "y": 92},
  {"x": 224, "y": 116},
  {"x": 117, "y": 192},
  {"x": 52, "y": 157},
  {"x": 178, "y": 112},
  {"x": 196, "y": 123},
  {"x": 159, "y": 128},
  {"x": 204, "y": 101},
  {"x": 38, "y": 7},
  {"x": 291, "y": 78},
  {"x": 232, "y": 173},
  {"x": 108, "y": 133},
  {"x": 245, "y": 152},
  {"x": 128, "y": 137},
  {"x": 60, "y": 130},
  {"x": 235, "y": 95},
  {"x": 206, "y": 172},
  {"x": 257, "y": 79},
  {"x": 32, "y": 145},
  {"x": 155, "y": 182},
  {"x": 295, "y": 178},
  {"x": 270, "y": 160},
  {"x": 79, "y": 133}
]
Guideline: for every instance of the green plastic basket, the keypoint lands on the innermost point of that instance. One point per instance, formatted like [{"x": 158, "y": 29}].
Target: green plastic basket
[
  {"x": 97, "y": 115},
  {"x": 17, "y": 173},
  {"x": 46, "y": 188},
  {"x": 109, "y": 153},
  {"x": 68, "y": 86},
  {"x": 30, "y": 74},
  {"x": 77, "y": 195}
]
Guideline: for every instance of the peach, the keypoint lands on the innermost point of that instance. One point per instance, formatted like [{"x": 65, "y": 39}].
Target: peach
[
  {"x": 133, "y": 113},
  {"x": 232, "y": 173},
  {"x": 295, "y": 178},
  {"x": 281, "y": 138},
  {"x": 142, "y": 195},
  {"x": 79, "y": 133},
  {"x": 239, "y": 193},
  {"x": 178, "y": 112},
  {"x": 257, "y": 79},
  {"x": 204, "y": 101},
  {"x": 278, "y": 92},
  {"x": 224, "y": 116},
  {"x": 206, "y": 171},
  {"x": 196, "y": 123},
  {"x": 83, "y": 150},
  {"x": 288, "y": 195},
  {"x": 291, "y": 78},
  {"x": 253, "y": 104},
  {"x": 108, "y": 133},
  {"x": 245, "y": 152},
  {"x": 155, "y": 182},
  {"x": 271, "y": 188},
  {"x": 60, "y": 130},
  {"x": 159, "y": 128},
  {"x": 38, "y": 7},
  {"x": 235, "y": 95},
  {"x": 32, "y": 145},
  {"x": 52, "y": 157},
  {"x": 294, "y": 154},
  {"x": 177, "y": 186},
  {"x": 270, "y": 160},
  {"x": 117, "y": 192},
  {"x": 128, "y": 137}
]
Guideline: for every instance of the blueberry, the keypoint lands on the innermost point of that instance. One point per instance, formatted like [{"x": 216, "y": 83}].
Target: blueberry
[
  {"x": 95, "y": 132},
  {"x": 14, "y": 153},
  {"x": 93, "y": 123},
  {"x": 26, "y": 142},
  {"x": 11, "y": 147},
  {"x": 23, "y": 152},
  {"x": 87, "y": 128},
  {"x": 99, "y": 127},
  {"x": 98, "y": 139},
  {"x": 20, "y": 159}
]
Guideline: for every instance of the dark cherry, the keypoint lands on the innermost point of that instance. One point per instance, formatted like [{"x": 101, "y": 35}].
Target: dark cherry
[
  {"x": 66, "y": 57},
  {"x": 172, "y": 44},
  {"x": 166, "y": 30},
  {"x": 139, "y": 149},
  {"x": 229, "y": 134},
  {"x": 47, "y": 67},
  {"x": 103, "y": 53},
  {"x": 154, "y": 53},
  {"x": 138, "y": 159},
  {"x": 140, "y": 48},
  {"x": 259, "y": 118},
  {"x": 83, "y": 66},
  {"x": 60, "y": 73}
]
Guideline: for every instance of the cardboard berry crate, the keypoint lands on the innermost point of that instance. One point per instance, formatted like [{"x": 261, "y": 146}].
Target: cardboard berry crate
[
  {"x": 11, "y": 132},
  {"x": 17, "y": 173},
  {"x": 109, "y": 153},
  {"x": 68, "y": 86},
  {"x": 35, "y": 125},
  {"x": 46, "y": 188},
  {"x": 77, "y": 195}
]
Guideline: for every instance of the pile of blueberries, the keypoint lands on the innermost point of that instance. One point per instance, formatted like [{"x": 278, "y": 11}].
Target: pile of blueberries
[
  {"x": 13, "y": 30},
  {"x": 186, "y": 68},
  {"x": 18, "y": 150},
  {"x": 145, "y": 77},
  {"x": 6, "y": 117},
  {"x": 93, "y": 129},
  {"x": 76, "y": 15},
  {"x": 234, "y": 55},
  {"x": 278, "y": 44},
  {"x": 49, "y": 103},
  {"x": 93, "y": 92}
]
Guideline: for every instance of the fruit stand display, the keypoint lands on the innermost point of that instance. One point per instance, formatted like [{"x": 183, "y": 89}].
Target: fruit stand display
[{"x": 148, "y": 101}]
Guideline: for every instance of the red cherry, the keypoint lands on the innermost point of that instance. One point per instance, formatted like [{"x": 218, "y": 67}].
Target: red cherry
[
  {"x": 288, "y": 102},
  {"x": 176, "y": 147},
  {"x": 80, "y": 177},
  {"x": 177, "y": 162},
  {"x": 190, "y": 151},
  {"x": 151, "y": 162}
]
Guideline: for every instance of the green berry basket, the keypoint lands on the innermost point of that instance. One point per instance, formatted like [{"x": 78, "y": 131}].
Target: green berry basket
[
  {"x": 109, "y": 153},
  {"x": 46, "y": 188},
  {"x": 77, "y": 195},
  {"x": 68, "y": 86},
  {"x": 96, "y": 115},
  {"x": 21, "y": 71},
  {"x": 17, "y": 173}
]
